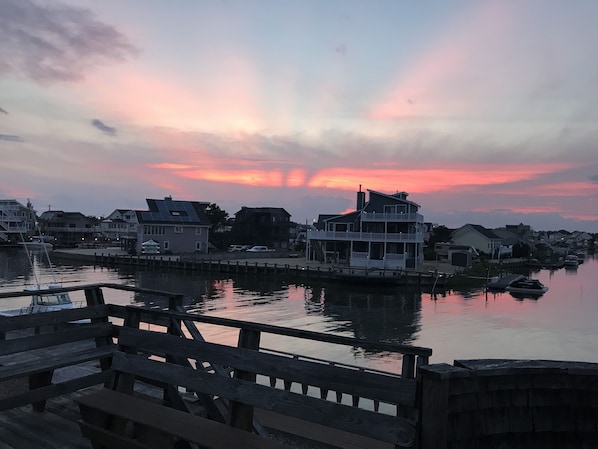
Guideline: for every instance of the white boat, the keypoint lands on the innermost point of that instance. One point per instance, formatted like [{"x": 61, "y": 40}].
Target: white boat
[
  {"x": 43, "y": 300},
  {"x": 37, "y": 243},
  {"x": 571, "y": 260},
  {"x": 528, "y": 287}
]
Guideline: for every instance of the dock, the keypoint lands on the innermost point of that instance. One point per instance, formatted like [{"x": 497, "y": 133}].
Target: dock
[
  {"x": 432, "y": 274},
  {"x": 503, "y": 282}
]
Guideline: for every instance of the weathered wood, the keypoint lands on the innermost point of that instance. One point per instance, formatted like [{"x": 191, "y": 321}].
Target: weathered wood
[
  {"x": 240, "y": 414},
  {"x": 55, "y": 338},
  {"x": 11, "y": 323},
  {"x": 388, "y": 389},
  {"x": 94, "y": 296},
  {"x": 434, "y": 412},
  {"x": 207, "y": 433},
  {"x": 55, "y": 389},
  {"x": 43, "y": 364},
  {"x": 376, "y": 425}
]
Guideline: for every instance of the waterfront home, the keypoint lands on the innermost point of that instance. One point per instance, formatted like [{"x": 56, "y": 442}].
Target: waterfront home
[
  {"x": 177, "y": 226},
  {"x": 384, "y": 232},
  {"x": 121, "y": 226},
  {"x": 477, "y": 236},
  {"x": 70, "y": 228},
  {"x": 268, "y": 226},
  {"x": 16, "y": 220}
]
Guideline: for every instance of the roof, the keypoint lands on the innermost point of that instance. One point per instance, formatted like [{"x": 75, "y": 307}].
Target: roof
[
  {"x": 257, "y": 210},
  {"x": 399, "y": 196},
  {"x": 488, "y": 233},
  {"x": 169, "y": 211}
]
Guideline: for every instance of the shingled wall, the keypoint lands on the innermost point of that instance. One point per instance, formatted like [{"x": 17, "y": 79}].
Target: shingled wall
[{"x": 514, "y": 404}]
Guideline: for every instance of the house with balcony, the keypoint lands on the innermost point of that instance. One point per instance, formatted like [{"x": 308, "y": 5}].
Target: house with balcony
[
  {"x": 68, "y": 228},
  {"x": 177, "y": 226},
  {"x": 385, "y": 232},
  {"x": 17, "y": 222},
  {"x": 121, "y": 227}
]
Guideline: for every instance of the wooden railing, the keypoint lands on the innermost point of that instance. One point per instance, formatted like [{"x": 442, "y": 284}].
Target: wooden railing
[{"x": 384, "y": 401}]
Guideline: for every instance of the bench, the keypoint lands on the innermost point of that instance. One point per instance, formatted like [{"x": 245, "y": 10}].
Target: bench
[
  {"x": 107, "y": 412},
  {"x": 35, "y": 347},
  {"x": 236, "y": 381}
]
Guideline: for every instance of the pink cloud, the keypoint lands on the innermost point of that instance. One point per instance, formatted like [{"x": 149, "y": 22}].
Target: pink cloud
[{"x": 444, "y": 80}]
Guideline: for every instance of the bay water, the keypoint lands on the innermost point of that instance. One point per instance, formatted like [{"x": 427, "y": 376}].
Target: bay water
[{"x": 468, "y": 323}]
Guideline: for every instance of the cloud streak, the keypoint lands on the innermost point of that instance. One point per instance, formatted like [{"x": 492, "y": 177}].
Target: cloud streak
[
  {"x": 10, "y": 138},
  {"x": 54, "y": 42},
  {"x": 98, "y": 124}
]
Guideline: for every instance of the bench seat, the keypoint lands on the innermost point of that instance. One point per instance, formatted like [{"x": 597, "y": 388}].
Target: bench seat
[{"x": 151, "y": 415}]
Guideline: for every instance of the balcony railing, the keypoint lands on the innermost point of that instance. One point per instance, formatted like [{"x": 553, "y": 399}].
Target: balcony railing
[
  {"x": 387, "y": 217},
  {"x": 416, "y": 237}
]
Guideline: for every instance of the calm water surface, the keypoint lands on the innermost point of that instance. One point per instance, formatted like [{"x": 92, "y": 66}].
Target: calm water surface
[{"x": 457, "y": 325}]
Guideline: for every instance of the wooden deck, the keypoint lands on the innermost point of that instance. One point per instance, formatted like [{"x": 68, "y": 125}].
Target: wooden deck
[{"x": 55, "y": 428}]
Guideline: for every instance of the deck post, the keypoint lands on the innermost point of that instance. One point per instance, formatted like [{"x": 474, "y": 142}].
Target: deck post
[
  {"x": 94, "y": 296},
  {"x": 241, "y": 415}
]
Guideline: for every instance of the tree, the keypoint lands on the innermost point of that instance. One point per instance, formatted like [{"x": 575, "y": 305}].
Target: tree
[{"x": 218, "y": 217}]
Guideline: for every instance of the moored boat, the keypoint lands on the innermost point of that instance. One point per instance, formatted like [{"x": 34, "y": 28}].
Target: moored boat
[
  {"x": 571, "y": 260},
  {"x": 528, "y": 287},
  {"x": 37, "y": 243},
  {"x": 43, "y": 299}
]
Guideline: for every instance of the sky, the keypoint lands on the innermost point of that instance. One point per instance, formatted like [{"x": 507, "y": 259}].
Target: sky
[{"x": 484, "y": 111}]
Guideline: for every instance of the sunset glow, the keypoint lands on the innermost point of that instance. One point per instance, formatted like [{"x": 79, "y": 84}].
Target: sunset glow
[{"x": 484, "y": 112}]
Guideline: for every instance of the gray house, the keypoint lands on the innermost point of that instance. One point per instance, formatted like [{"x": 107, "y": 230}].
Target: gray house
[
  {"x": 482, "y": 239},
  {"x": 178, "y": 226},
  {"x": 384, "y": 232}
]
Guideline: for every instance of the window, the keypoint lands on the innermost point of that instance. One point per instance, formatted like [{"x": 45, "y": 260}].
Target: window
[
  {"x": 166, "y": 245},
  {"x": 153, "y": 230},
  {"x": 197, "y": 246},
  {"x": 178, "y": 229}
]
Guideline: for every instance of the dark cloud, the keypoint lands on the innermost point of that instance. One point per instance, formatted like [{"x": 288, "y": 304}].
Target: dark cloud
[
  {"x": 594, "y": 179},
  {"x": 51, "y": 42},
  {"x": 3, "y": 111},
  {"x": 10, "y": 138},
  {"x": 103, "y": 127}
]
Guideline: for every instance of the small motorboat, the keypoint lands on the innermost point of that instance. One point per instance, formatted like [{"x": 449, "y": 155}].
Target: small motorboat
[
  {"x": 528, "y": 287},
  {"x": 571, "y": 260}
]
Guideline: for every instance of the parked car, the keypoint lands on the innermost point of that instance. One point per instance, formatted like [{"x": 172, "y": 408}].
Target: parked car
[{"x": 259, "y": 249}]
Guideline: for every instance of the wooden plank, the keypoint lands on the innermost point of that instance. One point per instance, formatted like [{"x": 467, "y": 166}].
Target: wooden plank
[
  {"x": 54, "y": 390},
  {"x": 55, "y": 338},
  {"x": 239, "y": 414},
  {"x": 207, "y": 433},
  {"x": 104, "y": 438},
  {"x": 289, "y": 332},
  {"x": 388, "y": 389},
  {"x": 317, "y": 432},
  {"x": 49, "y": 363},
  {"x": 11, "y": 323},
  {"x": 376, "y": 425}
]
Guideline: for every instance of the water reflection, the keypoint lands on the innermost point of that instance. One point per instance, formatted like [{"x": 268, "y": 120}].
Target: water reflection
[{"x": 464, "y": 323}]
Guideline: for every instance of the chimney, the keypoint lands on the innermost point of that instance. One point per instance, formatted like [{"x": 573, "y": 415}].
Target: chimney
[{"x": 360, "y": 199}]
